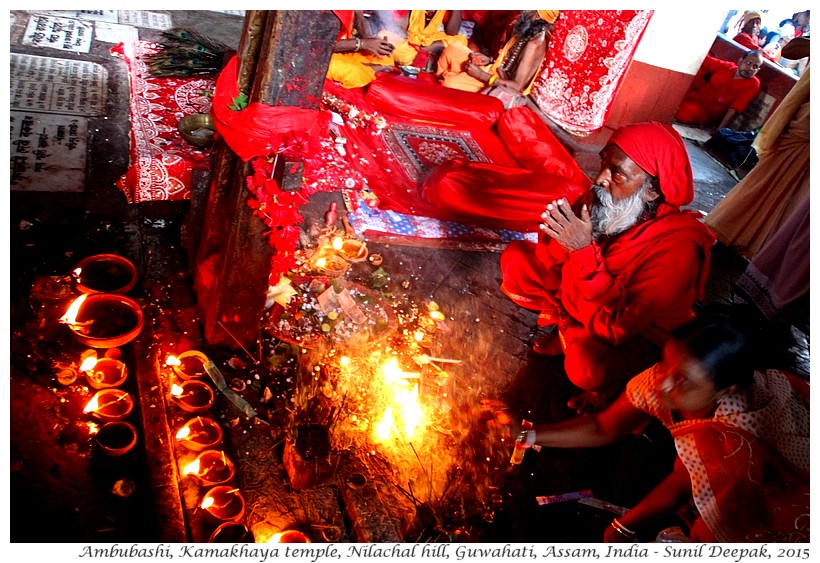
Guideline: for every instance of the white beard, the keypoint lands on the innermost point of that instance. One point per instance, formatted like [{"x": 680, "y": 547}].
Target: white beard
[{"x": 610, "y": 217}]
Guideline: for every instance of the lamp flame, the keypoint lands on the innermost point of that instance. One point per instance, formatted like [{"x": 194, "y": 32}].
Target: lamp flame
[
  {"x": 183, "y": 432},
  {"x": 88, "y": 364},
  {"x": 70, "y": 316},
  {"x": 337, "y": 243},
  {"x": 192, "y": 468},
  {"x": 172, "y": 361},
  {"x": 92, "y": 405},
  {"x": 176, "y": 390}
]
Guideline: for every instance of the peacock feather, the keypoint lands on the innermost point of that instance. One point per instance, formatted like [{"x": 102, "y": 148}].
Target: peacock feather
[{"x": 184, "y": 52}]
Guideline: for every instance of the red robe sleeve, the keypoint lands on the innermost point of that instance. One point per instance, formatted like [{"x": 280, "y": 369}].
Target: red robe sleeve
[
  {"x": 745, "y": 96},
  {"x": 659, "y": 288}
]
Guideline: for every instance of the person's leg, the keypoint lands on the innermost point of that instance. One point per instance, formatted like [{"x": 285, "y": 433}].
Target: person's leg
[
  {"x": 691, "y": 113},
  {"x": 602, "y": 370}
]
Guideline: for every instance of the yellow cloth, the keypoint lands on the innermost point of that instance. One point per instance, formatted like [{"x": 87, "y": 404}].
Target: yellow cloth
[
  {"x": 749, "y": 15},
  {"x": 451, "y": 65},
  {"x": 781, "y": 117},
  {"x": 548, "y": 16},
  {"x": 351, "y": 70},
  {"x": 420, "y": 34}
]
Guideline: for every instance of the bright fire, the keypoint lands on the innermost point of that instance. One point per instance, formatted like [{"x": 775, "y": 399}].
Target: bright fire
[
  {"x": 176, "y": 390},
  {"x": 172, "y": 361},
  {"x": 92, "y": 405},
  {"x": 337, "y": 243},
  {"x": 191, "y": 468},
  {"x": 404, "y": 402},
  {"x": 88, "y": 363},
  {"x": 70, "y": 316}
]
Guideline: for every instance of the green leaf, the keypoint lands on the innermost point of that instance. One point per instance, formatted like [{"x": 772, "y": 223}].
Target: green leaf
[{"x": 240, "y": 102}]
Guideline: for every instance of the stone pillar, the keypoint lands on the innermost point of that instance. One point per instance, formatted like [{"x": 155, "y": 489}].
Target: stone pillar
[{"x": 284, "y": 57}]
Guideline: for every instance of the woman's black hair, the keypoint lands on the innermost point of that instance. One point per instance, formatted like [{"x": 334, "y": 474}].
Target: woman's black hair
[{"x": 723, "y": 342}]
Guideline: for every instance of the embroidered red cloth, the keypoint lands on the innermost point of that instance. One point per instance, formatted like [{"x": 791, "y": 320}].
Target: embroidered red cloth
[
  {"x": 161, "y": 161},
  {"x": 588, "y": 55}
]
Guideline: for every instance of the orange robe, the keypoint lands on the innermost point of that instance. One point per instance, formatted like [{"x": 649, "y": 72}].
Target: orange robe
[{"x": 352, "y": 69}]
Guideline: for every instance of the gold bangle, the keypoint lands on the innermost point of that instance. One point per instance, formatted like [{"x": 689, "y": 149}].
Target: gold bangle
[
  {"x": 623, "y": 530},
  {"x": 492, "y": 80}
]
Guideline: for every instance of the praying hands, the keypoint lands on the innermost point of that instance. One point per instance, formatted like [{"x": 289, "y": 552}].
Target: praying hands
[{"x": 560, "y": 222}]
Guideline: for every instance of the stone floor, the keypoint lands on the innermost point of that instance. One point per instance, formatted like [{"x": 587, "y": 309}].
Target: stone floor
[{"x": 60, "y": 483}]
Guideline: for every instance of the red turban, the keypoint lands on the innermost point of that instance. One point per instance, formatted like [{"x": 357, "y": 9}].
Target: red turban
[{"x": 659, "y": 151}]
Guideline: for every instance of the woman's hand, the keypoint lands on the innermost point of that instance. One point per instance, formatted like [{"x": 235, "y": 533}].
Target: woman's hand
[{"x": 611, "y": 535}]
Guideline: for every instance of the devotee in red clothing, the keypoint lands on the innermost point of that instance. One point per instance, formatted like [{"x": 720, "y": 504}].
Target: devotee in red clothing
[
  {"x": 749, "y": 30},
  {"x": 742, "y": 439},
  {"x": 619, "y": 270},
  {"x": 720, "y": 91}
]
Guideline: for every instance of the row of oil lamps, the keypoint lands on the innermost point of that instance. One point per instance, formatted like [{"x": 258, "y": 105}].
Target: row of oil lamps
[
  {"x": 102, "y": 317},
  {"x": 223, "y": 503}
]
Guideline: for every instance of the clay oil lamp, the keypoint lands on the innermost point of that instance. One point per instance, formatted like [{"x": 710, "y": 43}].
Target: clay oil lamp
[
  {"x": 110, "y": 405},
  {"x": 351, "y": 249},
  {"x": 211, "y": 467},
  {"x": 224, "y": 504},
  {"x": 232, "y": 532},
  {"x": 189, "y": 365},
  {"x": 105, "y": 273},
  {"x": 325, "y": 262},
  {"x": 104, "y": 320},
  {"x": 116, "y": 438},
  {"x": 199, "y": 434},
  {"x": 193, "y": 396},
  {"x": 104, "y": 373}
]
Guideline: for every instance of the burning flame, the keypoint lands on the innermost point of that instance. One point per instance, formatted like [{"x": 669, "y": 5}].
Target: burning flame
[
  {"x": 337, "y": 243},
  {"x": 77, "y": 272},
  {"x": 172, "y": 361},
  {"x": 176, "y": 390},
  {"x": 70, "y": 316},
  {"x": 207, "y": 502},
  {"x": 383, "y": 428},
  {"x": 183, "y": 433},
  {"x": 88, "y": 363},
  {"x": 192, "y": 468},
  {"x": 321, "y": 262},
  {"x": 405, "y": 401},
  {"x": 92, "y": 405}
]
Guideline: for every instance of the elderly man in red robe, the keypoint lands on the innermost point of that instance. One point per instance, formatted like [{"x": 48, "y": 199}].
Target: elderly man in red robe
[{"x": 620, "y": 269}]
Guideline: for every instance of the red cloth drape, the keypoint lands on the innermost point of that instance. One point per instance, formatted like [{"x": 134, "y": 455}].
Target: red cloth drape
[
  {"x": 588, "y": 56},
  {"x": 507, "y": 197},
  {"x": 261, "y": 129}
]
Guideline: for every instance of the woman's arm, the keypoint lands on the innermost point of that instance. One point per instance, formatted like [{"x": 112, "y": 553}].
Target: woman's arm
[
  {"x": 664, "y": 499},
  {"x": 453, "y": 24},
  {"x": 531, "y": 58},
  {"x": 599, "y": 429}
]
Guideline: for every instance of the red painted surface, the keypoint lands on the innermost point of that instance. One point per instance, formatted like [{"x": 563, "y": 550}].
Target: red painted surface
[{"x": 648, "y": 93}]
